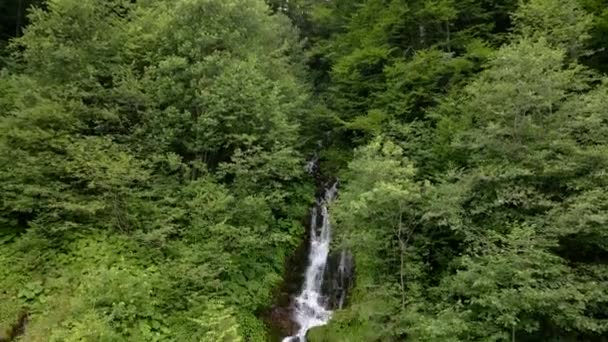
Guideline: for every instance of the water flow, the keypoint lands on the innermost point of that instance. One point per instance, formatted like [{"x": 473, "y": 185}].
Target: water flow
[{"x": 310, "y": 306}]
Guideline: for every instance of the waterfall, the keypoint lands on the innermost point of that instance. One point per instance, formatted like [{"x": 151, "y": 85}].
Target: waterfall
[{"x": 311, "y": 307}]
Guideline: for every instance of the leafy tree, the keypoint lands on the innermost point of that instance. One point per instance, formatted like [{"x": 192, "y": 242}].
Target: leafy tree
[
  {"x": 152, "y": 182},
  {"x": 517, "y": 151},
  {"x": 152, "y": 162}
]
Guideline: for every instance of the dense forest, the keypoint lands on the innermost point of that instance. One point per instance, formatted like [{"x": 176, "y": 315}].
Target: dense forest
[{"x": 153, "y": 182}]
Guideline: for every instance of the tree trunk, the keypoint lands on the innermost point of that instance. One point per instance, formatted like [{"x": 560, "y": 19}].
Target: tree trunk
[
  {"x": 401, "y": 258},
  {"x": 422, "y": 31},
  {"x": 447, "y": 30},
  {"x": 19, "y": 20}
]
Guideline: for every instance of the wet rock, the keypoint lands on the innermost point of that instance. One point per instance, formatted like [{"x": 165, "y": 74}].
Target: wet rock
[
  {"x": 339, "y": 278},
  {"x": 282, "y": 320}
]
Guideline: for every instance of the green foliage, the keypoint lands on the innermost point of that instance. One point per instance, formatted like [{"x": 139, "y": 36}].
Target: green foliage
[
  {"x": 149, "y": 163},
  {"x": 598, "y": 32},
  {"x": 487, "y": 222},
  {"x": 377, "y": 61},
  {"x": 152, "y": 182},
  {"x": 218, "y": 324},
  {"x": 565, "y": 24}
]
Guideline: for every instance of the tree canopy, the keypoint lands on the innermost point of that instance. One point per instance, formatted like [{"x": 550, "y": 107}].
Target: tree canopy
[{"x": 153, "y": 152}]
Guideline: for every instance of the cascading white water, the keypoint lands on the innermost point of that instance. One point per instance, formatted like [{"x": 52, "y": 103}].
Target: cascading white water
[{"x": 310, "y": 306}]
